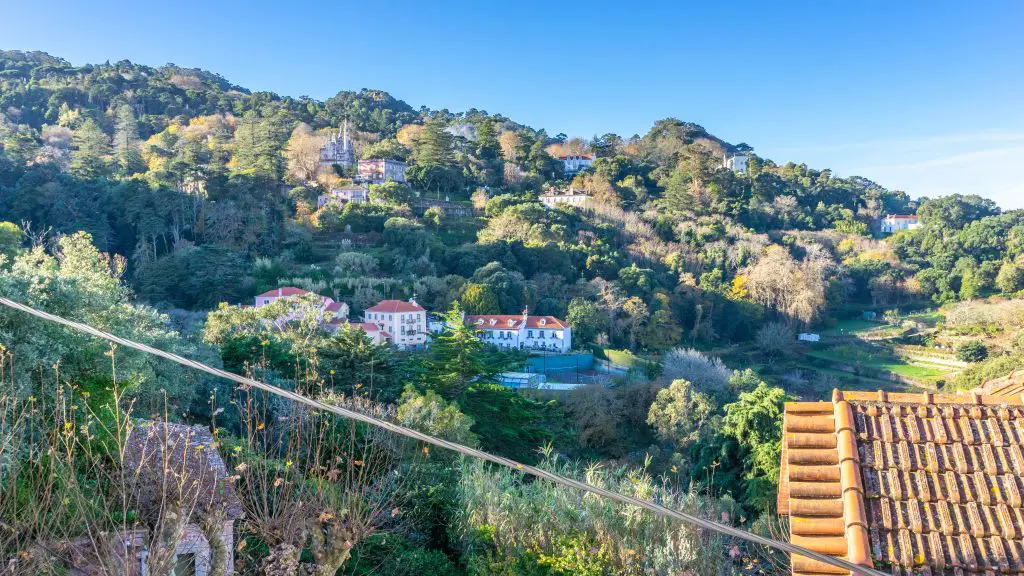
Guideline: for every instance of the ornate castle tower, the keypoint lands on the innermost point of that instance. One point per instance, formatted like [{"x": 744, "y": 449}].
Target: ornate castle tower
[{"x": 338, "y": 150}]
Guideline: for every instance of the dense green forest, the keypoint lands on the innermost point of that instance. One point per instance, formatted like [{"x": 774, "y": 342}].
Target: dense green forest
[{"x": 149, "y": 201}]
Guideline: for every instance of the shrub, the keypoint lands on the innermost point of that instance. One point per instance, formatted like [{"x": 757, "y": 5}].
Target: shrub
[
  {"x": 773, "y": 338},
  {"x": 707, "y": 374},
  {"x": 972, "y": 352}
]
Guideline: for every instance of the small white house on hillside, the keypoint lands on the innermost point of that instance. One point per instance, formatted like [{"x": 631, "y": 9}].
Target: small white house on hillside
[
  {"x": 572, "y": 198},
  {"x": 574, "y": 163},
  {"x": 343, "y": 195},
  {"x": 736, "y": 162},
  {"x": 895, "y": 222}
]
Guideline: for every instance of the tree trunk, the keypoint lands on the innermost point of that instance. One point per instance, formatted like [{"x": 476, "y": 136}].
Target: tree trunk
[{"x": 282, "y": 561}]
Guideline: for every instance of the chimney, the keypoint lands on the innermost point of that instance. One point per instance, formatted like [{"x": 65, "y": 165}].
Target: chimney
[{"x": 280, "y": 292}]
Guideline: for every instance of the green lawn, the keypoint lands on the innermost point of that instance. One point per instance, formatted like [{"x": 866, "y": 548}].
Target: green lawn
[
  {"x": 883, "y": 361},
  {"x": 852, "y": 327},
  {"x": 623, "y": 358},
  {"x": 929, "y": 319}
]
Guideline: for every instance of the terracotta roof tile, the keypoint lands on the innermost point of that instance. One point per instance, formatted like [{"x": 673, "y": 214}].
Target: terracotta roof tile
[
  {"x": 283, "y": 292},
  {"x": 510, "y": 321},
  {"x": 912, "y": 483},
  {"x": 395, "y": 306},
  {"x": 1009, "y": 386}
]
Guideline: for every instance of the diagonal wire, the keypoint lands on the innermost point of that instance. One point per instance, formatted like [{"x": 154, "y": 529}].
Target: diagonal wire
[{"x": 461, "y": 449}]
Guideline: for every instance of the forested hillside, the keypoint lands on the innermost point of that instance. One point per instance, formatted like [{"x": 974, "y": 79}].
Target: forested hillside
[{"x": 142, "y": 199}]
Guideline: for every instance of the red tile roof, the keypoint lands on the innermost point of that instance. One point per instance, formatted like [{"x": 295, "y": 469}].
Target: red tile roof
[
  {"x": 283, "y": 292},
  {"x": 366, "y": 326},
  {"x": 919, "y": 483},
  {"x": 395, "y": 306},
  {"x": 501, "y": 321},
  {"x": 546, "y": 322},
  {"x": 1009, "y": 386},
  {"x": 335, "y": 306},
  {"x": 507, "y": 321}
]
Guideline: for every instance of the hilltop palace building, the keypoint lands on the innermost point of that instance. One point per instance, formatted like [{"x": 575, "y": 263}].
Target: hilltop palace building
[{"x": 338, "y": 150}]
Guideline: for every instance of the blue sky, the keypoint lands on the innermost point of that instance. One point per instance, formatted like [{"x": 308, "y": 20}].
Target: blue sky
[{"x": 920, "y": 96}]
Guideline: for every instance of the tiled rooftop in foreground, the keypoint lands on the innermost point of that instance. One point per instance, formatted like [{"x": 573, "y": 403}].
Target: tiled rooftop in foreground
[{"x": 911, "y": 484}]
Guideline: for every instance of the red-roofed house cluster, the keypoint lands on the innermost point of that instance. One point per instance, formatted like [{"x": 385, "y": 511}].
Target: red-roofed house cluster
[{"x": 404, "y": 324}]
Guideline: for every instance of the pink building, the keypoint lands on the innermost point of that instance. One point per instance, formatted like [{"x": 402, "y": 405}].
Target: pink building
[
  {"x": 380, "y": 170},
  {"x": 337, "y": 309}
]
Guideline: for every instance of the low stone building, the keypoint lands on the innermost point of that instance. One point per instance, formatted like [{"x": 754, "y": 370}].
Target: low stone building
[{"x": 180, "y": 483}]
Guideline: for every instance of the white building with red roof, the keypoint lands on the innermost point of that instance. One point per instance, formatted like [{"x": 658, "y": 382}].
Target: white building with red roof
[
  {"x": 523, "y": 332},
  {"x": 404, "y": 321}
]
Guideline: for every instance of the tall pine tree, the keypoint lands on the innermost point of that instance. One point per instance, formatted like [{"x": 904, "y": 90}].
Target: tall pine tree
[
  {"x": 91, "y": 157},
  {"x": 126, "y": 142}
]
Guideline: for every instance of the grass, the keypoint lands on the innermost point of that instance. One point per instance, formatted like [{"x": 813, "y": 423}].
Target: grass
[
  {"x": 929, "y": 319},
  {"x": 457, "y": 231},
  {"x": 852, "y": 327},
  {"x": 623, "y": 358},
  {"x": 882, "y": 361}
]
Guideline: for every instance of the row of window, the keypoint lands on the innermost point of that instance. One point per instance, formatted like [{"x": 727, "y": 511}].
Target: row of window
[
  {"x": 534, "y": 346},
  {"x": 401, "y": 317},
  {"x": 508, "y": 335}
]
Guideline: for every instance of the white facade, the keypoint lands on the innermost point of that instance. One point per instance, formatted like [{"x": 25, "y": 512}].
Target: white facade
[
  {"x": 571, "y": 198},
  {"x": 343, "y": 195},
  {"x": 338, "y": 150},
  {"x": 406, "y": 322},
  {"x": 380, "y": 170},
  {"x": 894, "y": 222},
  {"x": 737, "y": 162},
  {"x": 574, "y": 164},
  {"x": 523, "y": 332}
]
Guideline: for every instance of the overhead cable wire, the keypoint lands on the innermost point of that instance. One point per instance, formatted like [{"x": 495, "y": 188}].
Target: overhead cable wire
[{"x": 656, "y": 508}]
